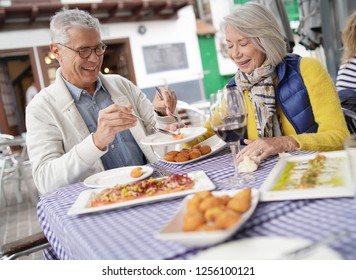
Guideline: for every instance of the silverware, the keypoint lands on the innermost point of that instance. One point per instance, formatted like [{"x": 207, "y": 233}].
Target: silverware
[
  {"x": 303, "y": 252},
  {"x": 160, "y": 170},
  {"x": 176, "y": 117},
  {"x": 160, "y": 130}
]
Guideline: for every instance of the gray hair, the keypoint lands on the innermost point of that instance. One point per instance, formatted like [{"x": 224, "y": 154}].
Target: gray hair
[
  {"x": 66, "y": 19},
  {"x": 254, "y": 21}
]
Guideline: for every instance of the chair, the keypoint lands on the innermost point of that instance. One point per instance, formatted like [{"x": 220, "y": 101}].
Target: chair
[
  {"x": 8, "y": 173},
  {"x": 24, "y": 246},
  {"x": 350, "y": 118},
  {"x": 12, "y": 167}
]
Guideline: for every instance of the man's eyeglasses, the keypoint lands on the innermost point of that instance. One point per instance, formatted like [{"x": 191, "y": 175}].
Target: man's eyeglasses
[{"x": 85, "y": 52}]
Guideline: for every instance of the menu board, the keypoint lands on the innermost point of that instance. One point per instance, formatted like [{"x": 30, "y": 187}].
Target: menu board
[{"x": 165, "y": 57}]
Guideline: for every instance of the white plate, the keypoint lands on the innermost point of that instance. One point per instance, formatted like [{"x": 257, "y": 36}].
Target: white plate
[
  {"x": 163, "y": 139},
  {"x": 214, "y": 142},
  {"x": 264, "y": 248},
  {"x": 339, "y": 186},
  {"x": 173, "y": 230},
  {"x": 80, "y": 206},
  {"x": 112, "y": 177}
]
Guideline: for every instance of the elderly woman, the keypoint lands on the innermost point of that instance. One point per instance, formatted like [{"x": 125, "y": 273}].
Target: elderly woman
[{"x": 292, "y": 102}]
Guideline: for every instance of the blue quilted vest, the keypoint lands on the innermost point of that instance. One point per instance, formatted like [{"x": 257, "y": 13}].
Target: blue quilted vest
[{"x": 292, "y": 95}]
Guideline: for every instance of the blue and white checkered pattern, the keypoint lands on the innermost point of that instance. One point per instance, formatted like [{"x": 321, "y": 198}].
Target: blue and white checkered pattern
[{"x": 129, "y": 233}]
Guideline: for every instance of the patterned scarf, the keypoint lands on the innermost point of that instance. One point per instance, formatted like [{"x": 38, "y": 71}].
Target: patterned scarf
[{"x": 261, "y": 93}]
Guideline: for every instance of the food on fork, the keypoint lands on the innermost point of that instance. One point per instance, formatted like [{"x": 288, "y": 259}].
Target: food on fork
[
  {"x": 178, "y": 136},
  {"x": 206, "y": 212},
  {"x": 142, "y": 188},
  {"x": 136, "y": 172}
]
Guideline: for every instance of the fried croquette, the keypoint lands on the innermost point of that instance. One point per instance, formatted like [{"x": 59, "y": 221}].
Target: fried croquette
[
  {"x": 195, "y": 153},
  {"x": 210, "y": 202},
  {"x": 227, "y": 219},
  {"x": 205, "y": 149},
  {"x": 174, "y": 153},
  {"x": 192, "y": 221},
  {"x": 168, "y": 157},
  {"x": 245, "y": 194},
  {"x": 193, "y": 204},
  {"x": 136, "y": 172},
  {"x": 181, "y": 157},
  {"x": 239, "y": 205},
  {"x": 212, "y": 212},
  {"x": 225, "y": 198}
]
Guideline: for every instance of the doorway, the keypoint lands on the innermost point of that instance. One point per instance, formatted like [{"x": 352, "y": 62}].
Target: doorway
[{"x": 16, "y": 76}]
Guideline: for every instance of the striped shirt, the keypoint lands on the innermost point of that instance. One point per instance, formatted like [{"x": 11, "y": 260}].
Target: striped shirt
[{"x": 346, "y": 76}]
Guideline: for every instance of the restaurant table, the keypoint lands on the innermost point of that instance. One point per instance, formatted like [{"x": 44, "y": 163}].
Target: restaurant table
[{"x": 129, "y": 233}]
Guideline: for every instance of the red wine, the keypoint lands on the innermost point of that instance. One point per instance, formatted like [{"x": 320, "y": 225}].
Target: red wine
[{"x": 230, "y": 133}]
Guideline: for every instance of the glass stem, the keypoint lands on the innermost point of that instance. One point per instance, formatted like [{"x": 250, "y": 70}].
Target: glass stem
[{"x": 234, "y": 153}]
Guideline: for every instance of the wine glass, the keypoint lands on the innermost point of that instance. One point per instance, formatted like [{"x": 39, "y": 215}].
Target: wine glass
[{"x": 228, "y": 118}]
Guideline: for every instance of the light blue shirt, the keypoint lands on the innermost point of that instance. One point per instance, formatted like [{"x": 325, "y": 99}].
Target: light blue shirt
[{"x": 123, "y": 151}]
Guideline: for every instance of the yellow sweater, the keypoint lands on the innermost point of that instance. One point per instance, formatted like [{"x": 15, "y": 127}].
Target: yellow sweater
[{"x": 326, "y": 107}]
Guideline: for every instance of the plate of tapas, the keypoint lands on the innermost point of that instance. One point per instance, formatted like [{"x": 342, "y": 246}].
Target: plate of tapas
[
  {"x": 140, "y": 192},
  {"x": 317, "y": 175},
  {"x": 207, "y": 218},
  {"x": 124, "y": 175},
  {"x": 202, "y": 150}
]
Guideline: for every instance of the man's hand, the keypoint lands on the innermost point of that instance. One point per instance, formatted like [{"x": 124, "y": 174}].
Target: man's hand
[
  {"x": 266, "y": 147},
  {"x": 165, "y": 101},
  {"x": 111, "y": 120}
]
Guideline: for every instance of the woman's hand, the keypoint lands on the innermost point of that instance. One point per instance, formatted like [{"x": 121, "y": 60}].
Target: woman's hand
[
  {"x": 266, "y": 147},
  {"x": 111, "y": 120}
]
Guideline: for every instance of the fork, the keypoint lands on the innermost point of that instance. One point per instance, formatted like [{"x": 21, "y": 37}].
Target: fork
[
  {"x": 176, "y": 117},
  {"x": 160, "y": 170},
  {"x": 161, "y": 130}
]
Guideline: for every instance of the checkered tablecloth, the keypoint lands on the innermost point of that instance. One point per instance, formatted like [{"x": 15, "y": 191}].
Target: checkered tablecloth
[{"x": 129, "y": 233}]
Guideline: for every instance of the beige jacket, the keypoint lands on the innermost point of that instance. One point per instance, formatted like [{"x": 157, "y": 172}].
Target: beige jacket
[{"x": 60, "y": 147}]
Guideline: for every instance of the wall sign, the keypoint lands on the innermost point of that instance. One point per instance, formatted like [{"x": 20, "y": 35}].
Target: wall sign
[{"x": 166, "y": 57}]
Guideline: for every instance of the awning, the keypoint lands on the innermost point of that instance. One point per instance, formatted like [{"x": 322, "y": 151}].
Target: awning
[{"x": 37, "y": 15}]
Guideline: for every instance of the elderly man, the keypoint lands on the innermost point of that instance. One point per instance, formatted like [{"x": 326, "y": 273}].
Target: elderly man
[{"x": 85, "y": 121}]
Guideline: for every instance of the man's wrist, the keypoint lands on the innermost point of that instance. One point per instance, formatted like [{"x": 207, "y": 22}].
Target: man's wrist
[{"x": 101, "y": 147}]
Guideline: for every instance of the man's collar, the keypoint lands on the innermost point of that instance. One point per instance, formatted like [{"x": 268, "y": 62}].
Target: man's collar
[{"x": 76, "y": 92}]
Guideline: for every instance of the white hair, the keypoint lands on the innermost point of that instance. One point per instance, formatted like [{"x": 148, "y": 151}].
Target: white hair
[
  {"x": 66, "y": 19},
  {"x": 254, "y": 21}
]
